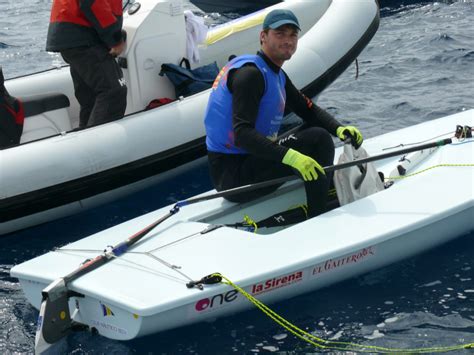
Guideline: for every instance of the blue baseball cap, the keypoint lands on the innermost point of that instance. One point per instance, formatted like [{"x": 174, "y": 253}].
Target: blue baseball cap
[{"x": 280, "y": 17}]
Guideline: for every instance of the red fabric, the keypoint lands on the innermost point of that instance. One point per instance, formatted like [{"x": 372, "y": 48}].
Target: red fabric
[
  {"x": 68, "y": 11},
  {"x": 158, "y": 102},
  {"x": 18, "y": 115},
  {"x": 105, "y": 12}
]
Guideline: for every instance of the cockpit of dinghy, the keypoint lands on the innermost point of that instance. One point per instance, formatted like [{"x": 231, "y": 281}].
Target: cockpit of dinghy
[{"x": 287, "y": 197}]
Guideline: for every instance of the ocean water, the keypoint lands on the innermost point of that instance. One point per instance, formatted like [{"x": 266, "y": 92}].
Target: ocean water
[{"x": 419, "y": 66}]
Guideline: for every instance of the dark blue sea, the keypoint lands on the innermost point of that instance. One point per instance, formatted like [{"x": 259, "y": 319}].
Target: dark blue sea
[{"x": 418, "y": 67}]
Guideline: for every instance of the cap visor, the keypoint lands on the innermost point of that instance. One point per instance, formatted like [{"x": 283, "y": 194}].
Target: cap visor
[{"x": 280, "y": 23}]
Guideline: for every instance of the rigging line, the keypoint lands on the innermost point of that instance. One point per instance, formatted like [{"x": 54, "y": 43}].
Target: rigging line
[
  {"x": 143, "y": 267},
  {"x": 164, "y": 262},
  {"x": 464, "y": 141},
  {"x": 153, "y": 271},
  {"x": 171, "y": 266},
  {"x": 415, "y": 143},
  {"x": 147, "y": 253},
  {"x": 177, "y": 241},
  {"x": 104, "y": 250},
  {"x": 429, "y": 168}
]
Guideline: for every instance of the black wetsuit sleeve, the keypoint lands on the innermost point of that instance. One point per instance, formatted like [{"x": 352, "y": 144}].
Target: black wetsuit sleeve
[
  {"x": 308, "y": 110},
  {"x": 248, "y": 87}
]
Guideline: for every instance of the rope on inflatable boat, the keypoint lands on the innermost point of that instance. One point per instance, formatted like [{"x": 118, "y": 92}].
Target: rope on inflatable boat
[{"x": 319, "y": 342}]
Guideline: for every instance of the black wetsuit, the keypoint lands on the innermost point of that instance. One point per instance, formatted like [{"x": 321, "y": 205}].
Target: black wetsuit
[{"x": 264, "y": 161}]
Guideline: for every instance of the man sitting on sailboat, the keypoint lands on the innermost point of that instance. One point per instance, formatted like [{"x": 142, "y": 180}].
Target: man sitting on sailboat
[{"x": 244, "y": 115}]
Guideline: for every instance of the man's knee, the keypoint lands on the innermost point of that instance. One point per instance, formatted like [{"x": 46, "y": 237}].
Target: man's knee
[{"x": 322, "y": 137}]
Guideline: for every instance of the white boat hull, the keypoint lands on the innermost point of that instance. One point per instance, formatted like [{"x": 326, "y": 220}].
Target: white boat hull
[{"x": 144, "y": 291}]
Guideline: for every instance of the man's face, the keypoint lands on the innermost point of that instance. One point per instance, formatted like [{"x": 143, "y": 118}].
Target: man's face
[{"x": 280, "y": 44}]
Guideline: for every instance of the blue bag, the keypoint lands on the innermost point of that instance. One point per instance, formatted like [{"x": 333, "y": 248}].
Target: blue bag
[{"x": 189, "y": 81}]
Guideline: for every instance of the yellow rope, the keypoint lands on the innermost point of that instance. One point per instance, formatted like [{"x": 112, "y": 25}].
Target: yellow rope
[
  {"x": 302, "y": 206},
  {"x": 332, "y": 192},
  {"x": 424, "y": 170},
  {"x": 251, "y": 222},
  {"x": 305, "y": 209},
  {"x": 340, "y": 345},
  {"x": 333, "y": 345}
]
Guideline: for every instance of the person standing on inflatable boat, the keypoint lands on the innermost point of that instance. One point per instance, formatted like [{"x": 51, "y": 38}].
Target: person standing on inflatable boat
[
  {"x": 244, "y": 114},
  {"x": 89, "y": 36}
]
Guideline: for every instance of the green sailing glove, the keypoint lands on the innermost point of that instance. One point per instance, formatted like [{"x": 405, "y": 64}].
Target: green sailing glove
[
  {"x": 305, "y": 165},
  {"x": 344, "y": 132}
]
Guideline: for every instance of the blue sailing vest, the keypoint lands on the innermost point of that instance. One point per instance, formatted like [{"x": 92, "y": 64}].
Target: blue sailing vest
[{"x": 218, "y": 119}]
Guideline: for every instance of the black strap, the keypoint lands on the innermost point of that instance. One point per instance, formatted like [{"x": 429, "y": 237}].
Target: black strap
[
  {"x": 170, "y": 68},
  {"x": 186, "y": 63}
]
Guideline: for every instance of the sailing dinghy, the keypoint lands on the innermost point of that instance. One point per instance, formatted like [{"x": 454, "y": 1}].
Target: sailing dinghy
[
  {"x": 59, "y": 170},
  {"x": 138, "y": 277}
]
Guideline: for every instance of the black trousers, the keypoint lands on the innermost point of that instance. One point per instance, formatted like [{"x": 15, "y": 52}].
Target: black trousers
[
  {"x": 99, "y": 85},
  {"x": 233, "y": 170}
]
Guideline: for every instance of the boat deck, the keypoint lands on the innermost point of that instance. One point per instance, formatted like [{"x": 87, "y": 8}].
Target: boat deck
[{"x": 151, "y": 277}]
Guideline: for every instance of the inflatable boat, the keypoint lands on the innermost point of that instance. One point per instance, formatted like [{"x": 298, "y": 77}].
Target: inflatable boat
[
  {"x": 140, "y": 277},
  {"x": 58, "y": 170}
]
